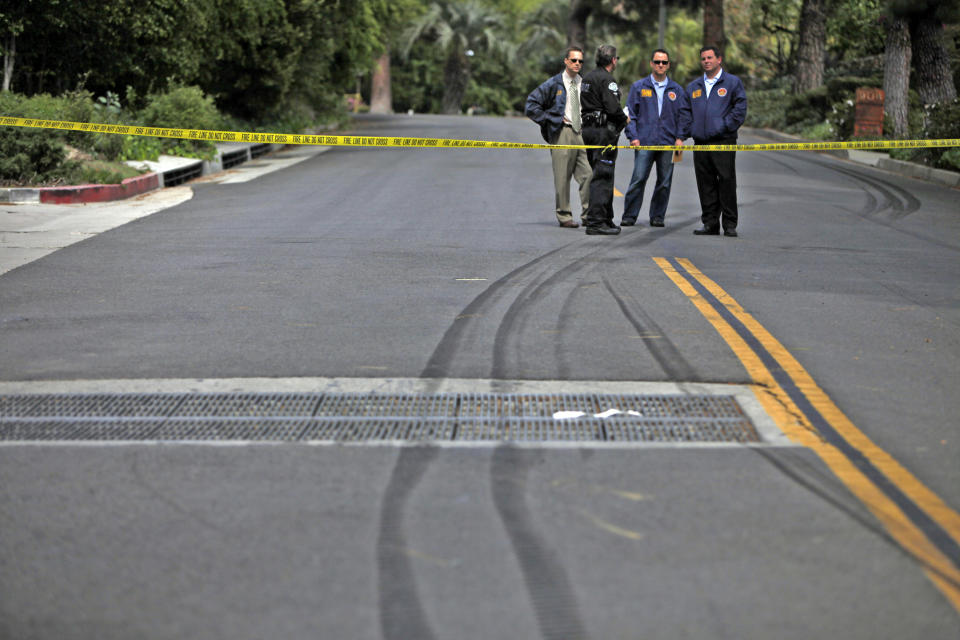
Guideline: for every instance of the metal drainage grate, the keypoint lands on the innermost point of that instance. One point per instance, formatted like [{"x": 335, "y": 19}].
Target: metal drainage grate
[
  {"x": 174, "y": 177},
  {"x": 258, "y": 150},
  {"x": 233, "y": 158},
  {"x": 356, "y": 417}
]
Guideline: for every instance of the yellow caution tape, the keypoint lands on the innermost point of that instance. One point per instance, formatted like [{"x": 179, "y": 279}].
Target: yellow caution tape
[{"x": 439, "y": 143}]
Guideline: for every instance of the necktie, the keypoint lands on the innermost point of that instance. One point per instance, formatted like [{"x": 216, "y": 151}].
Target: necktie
[{"x": 575, "y": 107}]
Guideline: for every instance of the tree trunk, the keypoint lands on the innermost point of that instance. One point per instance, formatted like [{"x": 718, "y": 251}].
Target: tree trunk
[
  {"x": 381, "y": 100},
  {"x": 713, "y": 33},
  {"x": 896, "y": 75},
  {"x": 580, "y": 10},
  {"x": 932, "y": 77},
  {"x": 456, "y": 74},
  {"x": 811, "y": 47},
  {"x": 9, "y": 54}
]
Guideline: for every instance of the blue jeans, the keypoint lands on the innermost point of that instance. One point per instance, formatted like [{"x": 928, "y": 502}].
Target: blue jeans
[{"x": 642, "y": 162}]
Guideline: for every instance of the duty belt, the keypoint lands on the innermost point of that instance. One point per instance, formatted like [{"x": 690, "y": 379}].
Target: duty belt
[{"x": 595, "y": 118}]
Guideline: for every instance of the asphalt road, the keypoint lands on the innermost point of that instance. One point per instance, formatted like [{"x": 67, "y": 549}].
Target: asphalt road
[{"x": 448, "y": 264}]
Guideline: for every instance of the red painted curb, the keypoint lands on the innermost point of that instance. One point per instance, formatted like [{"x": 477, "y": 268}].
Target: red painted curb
[{"x": 100, "y": 192}]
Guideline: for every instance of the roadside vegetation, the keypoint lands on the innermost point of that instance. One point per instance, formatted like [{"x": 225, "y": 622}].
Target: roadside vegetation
[{"x": 303, "y": 65}]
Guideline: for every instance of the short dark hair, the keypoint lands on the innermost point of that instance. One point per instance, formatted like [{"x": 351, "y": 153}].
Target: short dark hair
[
  {"x": 572, "y": 48},
  {"x": 663, "y": 51},
  {"x": 605, "y": 54},
  {"x": 710, "y": 47}
]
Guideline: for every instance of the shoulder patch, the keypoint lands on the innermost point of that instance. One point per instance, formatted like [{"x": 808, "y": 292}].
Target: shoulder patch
[
  {"x": 613, "y": 87},
  {"x": 646, "y": 93},
  {"x": 559, "y": 92},
  {"x": 697, "y": 93}
]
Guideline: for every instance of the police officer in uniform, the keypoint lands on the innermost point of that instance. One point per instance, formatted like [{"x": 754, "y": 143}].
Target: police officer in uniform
[{"x": 603, "y": 120}]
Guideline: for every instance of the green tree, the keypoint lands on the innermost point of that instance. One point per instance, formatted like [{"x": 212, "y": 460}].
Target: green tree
[
  {"x": 67, "y": 43},
  {"x": 258, "y": 58},
  {"x": 460, "y": 30}
]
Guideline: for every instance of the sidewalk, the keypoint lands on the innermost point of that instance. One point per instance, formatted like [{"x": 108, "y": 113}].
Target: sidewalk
[
  {"x": 31, "y": 231},
  {"x": 167, "y": 171},
  {"x": 877, "y": 159}
]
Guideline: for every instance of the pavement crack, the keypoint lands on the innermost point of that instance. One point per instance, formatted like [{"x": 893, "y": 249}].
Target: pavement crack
[
  {"x": 799, "y": 419},
  {"x": 173, "y": 504}
]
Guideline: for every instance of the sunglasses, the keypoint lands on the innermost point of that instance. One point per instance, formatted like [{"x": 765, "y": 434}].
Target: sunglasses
[
  {"x": 660, "y": 61},
  {"x": 575, "y": 60}
]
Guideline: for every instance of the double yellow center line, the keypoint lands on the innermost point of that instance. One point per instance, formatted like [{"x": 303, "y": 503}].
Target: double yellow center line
[{"x": 913, "y": 515}]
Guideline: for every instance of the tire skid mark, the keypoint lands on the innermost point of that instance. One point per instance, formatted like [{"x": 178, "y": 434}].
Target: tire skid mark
[
  {"x": 444, "y": 355},
  {"x": 554, "y": 267},
  {"x": 662, "y": 349},
  {"x": 402, "y": 614},
  {"x": 563, "y": 322},
  {"x": 913, "y": 204},
  {"x": 510, "y": 329},
  {"x": 515, "y": 319},
  {"x": 901, "y": 201},
  {"x": 872, "y": 204},
  {"x": 548, "y": 585}
]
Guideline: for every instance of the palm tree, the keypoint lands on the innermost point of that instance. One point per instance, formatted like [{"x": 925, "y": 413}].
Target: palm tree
[{"x": 461, "y": 29}]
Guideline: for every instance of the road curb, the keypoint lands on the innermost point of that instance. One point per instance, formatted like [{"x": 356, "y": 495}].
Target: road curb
[
  {"x": 99, "y": 192},
  {"x": 923, "y": 172},
  {"x": 168, "y": 171}
]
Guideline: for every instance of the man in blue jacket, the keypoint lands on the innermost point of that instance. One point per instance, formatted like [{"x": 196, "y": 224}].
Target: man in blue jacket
[
  {"x": 719, "y": 106},
  {"x": 659, "y": 115},
  {"x": 555, "y": 106}
]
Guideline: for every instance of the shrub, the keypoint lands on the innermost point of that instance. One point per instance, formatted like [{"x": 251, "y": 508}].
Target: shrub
[
  {"x": 943, "y": 122},
  {"x": 827, "y": 111},
  {"x": 180, "y": 108},
  {"x": 30, "y": 155},
  {"x": 100, "y": 173},
  {"x": 74, "y": 106},
  {"x": 140, "y": 148},
  {"x": 842, "y": 117},
  {"x": 950, "y": 159},
  {"x": 807, "y": 109},
  {"x": 767, "y": 108}
]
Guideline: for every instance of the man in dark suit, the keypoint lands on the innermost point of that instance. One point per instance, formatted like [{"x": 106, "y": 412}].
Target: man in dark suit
[{"x": 555, "y": 106}]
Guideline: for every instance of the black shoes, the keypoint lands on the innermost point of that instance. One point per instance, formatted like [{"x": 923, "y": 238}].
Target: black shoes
[
  {"x": 707, "y": 231},
  {"x": 714, "y": 231},
  {"x": 603, "y": 230},
  {"x": 627, "y": 223},
  {"x": 656, "y": 222}
]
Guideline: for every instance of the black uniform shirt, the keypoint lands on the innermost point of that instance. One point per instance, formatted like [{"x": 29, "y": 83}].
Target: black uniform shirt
[{"x": 600, "y": 92}]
